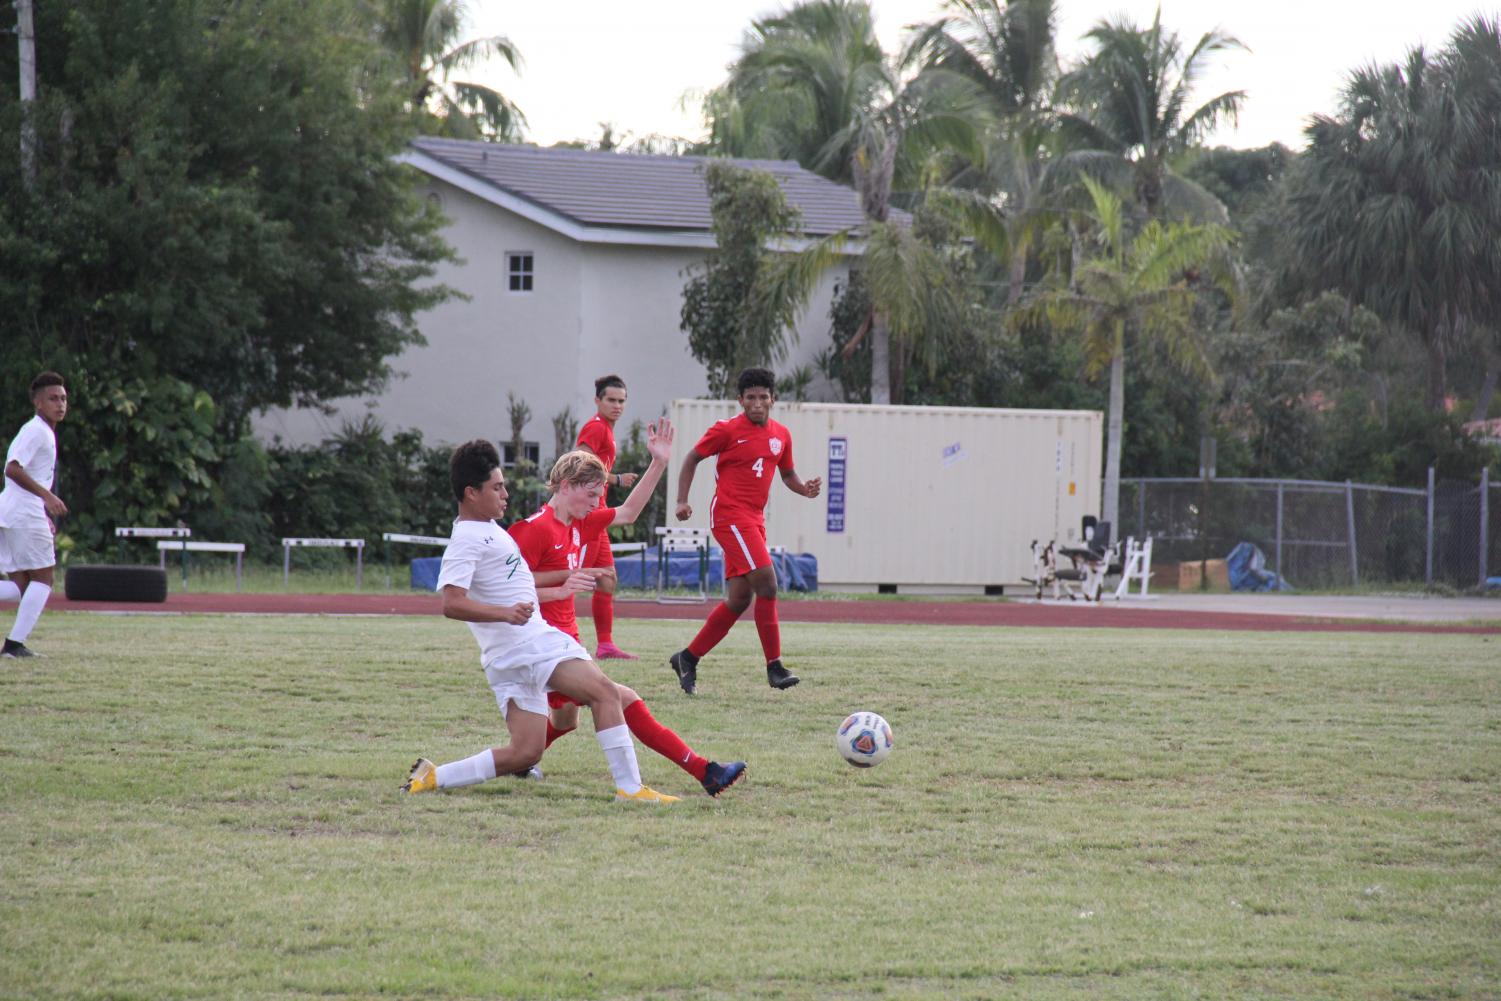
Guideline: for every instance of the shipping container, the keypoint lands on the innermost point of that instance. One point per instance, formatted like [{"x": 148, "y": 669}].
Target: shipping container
[{"x": 917, "y": 499}]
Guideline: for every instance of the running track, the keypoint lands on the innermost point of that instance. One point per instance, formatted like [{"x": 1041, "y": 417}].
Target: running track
[{"x": 949, "y": 613}]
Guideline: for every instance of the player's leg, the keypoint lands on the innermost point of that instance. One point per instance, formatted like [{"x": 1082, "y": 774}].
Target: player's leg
[
  {"x": 763, "y": 580},
  {"x": 34, "y": 587},
  {"x": 713, "y": 776},
  {"x": 526, "y": 729},
  {"x": 602, "y": 602},
  {"x": 738, "y": 561},
  {"x": 585, "y": 682},
  {"x": 562, "y": 716}
]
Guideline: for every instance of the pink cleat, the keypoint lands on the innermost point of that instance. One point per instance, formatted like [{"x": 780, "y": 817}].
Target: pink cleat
[{"x": 609, "y": 651}]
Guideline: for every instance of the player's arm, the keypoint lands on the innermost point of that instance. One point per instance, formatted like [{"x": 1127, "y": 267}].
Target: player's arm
[
  {"x": 458, "y": 605},
  {"x": 807, "y": 488},
  {"x": 685, "y": 483},
  {"x": 573, "y": 582},
  {"x": 53, "y": 503},
  {"x": 659, "y": 437}
]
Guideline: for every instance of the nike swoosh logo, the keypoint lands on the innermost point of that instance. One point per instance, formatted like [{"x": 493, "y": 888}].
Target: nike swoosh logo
[
  {"x": 558, "y": 546},
  {"x": 742, "y": 441}
]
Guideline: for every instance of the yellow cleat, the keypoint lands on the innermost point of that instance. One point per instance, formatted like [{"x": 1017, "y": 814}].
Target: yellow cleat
[
  {"x": 646, "y": 794},
  {"x": 424, "y": 777}
]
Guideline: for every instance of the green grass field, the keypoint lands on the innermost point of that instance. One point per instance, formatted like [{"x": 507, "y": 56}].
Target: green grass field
[{"x": 207, "y": 808}]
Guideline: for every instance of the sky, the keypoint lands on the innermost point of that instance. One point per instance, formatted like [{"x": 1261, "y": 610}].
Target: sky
[{"x": 631, "y": 62}]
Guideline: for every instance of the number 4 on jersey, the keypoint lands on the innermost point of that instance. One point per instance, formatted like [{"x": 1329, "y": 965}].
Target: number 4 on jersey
[{"x": 757, "y": 466}]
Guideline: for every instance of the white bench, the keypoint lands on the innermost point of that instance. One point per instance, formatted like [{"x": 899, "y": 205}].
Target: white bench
[
  {"x": 238, "y": 548},
  {"x": 358, "y": 545}
]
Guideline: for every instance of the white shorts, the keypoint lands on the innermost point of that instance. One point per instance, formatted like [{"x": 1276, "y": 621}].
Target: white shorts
[
  {"x": 26, "y": 545},
  {"x": 520, "y": 675}
]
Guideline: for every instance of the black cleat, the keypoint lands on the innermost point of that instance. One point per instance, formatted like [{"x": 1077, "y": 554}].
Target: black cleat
[
  {"x": 779, "y": 677},
  {"x": 685, "y": 666},
  {"x": 15, "y": 649},
  {"x": 717, "y": 778}
]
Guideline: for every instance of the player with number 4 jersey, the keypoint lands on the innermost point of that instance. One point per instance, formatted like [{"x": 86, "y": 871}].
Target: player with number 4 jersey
[{"x": 749, "y": 450}]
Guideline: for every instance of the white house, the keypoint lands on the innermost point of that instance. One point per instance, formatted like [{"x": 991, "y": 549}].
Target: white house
[{"x": 574, "y": 264}]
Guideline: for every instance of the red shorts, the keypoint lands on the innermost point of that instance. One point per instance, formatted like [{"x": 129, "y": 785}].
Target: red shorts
[
  {"x": 744, "y": 548},
  {"x": 599, "y": 553}
]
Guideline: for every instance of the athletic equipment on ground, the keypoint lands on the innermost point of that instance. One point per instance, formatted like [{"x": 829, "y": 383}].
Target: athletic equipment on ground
[{"x": 863, "y": 739}]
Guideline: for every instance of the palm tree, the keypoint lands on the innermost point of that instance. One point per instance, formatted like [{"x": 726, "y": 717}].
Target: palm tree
[
  {"x": 1397, "y": 201},
  {"x": 1006, "y": 47},
  {"x": 423, "y": 37},
  {"x": 1132, "y": 288},
  {"x": 814, "y": 84},
  {"x": 1130, "y": 103}
]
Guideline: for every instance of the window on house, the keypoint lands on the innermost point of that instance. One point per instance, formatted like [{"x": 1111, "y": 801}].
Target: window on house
[
  {"x": 519, "y": 272},
  {"x": 530, "y": 451}
]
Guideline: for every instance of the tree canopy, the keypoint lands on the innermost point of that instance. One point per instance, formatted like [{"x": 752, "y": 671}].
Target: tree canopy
[{"x": 216, "y": 218}]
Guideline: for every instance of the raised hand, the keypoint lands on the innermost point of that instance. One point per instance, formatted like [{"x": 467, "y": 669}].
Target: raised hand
[{"x": 659, "y": 435}]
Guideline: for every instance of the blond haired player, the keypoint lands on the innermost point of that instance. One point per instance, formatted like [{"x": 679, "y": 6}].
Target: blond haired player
[
  {"x": 555, "y": 543},
  {"x": 485, "y": 583}
]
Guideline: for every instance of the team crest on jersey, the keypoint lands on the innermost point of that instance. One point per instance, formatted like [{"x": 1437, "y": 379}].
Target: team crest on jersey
[{"x": 776, "y": 445}]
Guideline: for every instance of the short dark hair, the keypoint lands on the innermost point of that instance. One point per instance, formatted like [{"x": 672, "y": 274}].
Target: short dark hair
[
  {"x": 45, "y": 380},
  {"x": 605, "y": 382},
  {"x": 471, "y": 465},
  {"x": 756, "y": 377}
]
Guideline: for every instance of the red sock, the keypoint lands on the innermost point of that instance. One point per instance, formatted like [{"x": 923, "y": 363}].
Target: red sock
[
  {"x": 603, "y": 607},
  {"x": 766, "y": 625},
  {"x": 662, "y": 740},
  {"x": 719, "y": 622},
  {"x": 553, "y": 733}
]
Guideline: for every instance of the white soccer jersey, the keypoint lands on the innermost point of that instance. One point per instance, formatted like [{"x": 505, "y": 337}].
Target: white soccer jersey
[
  {"x": 35, "y": 448},
  {"x": 483, "y": 558}
]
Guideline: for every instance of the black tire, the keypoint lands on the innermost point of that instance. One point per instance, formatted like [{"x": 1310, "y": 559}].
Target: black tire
[{"x": 115, "y": 583}]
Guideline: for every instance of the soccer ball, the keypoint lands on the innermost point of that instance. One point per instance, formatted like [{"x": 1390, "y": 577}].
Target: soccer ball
[{"x": 864, "y": 739}]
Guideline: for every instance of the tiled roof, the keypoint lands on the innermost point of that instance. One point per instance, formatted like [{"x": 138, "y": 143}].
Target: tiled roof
[{"x": 634, "y": 191}]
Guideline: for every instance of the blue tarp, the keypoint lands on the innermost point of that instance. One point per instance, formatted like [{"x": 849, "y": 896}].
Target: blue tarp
[
  {"x": 795, "y": 571},
  {"x": 425, "y": 573},
  {"x": 1248, "y": 572}
]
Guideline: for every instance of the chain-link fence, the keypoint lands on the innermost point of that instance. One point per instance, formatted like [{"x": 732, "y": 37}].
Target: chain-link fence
[{"x": 1318, "y": 534}]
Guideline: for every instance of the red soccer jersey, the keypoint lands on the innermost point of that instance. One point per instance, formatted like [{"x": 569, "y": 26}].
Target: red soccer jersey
[
  {"x": 548, "y": 544},
  {"x": 599, "y": 437},
  {"x": 748, "y": 456}
]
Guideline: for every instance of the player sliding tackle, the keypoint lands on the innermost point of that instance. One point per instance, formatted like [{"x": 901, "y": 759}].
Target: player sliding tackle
[
  {"x": 750, "y": 447},
  {"x": 485, "y": 583},
  {"x": 555, "y": 543}
]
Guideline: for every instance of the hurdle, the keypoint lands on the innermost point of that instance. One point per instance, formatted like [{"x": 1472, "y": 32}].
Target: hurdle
[
  {"x": 410, "y": 540},
  {"x": 237, "y": 548},
  {"x": 358, "y": 545},
  {"x": 159, "y": 533}
]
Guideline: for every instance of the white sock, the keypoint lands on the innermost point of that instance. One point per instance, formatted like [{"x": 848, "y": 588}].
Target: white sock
[
  {"x": 9, "y": 591},
  {"x": 620, "y": 752},
  {"x": 471, "y": 771},
  {"x": 32, "y": 603}
]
